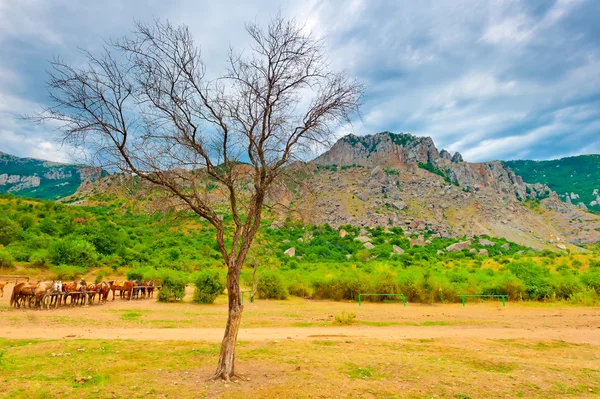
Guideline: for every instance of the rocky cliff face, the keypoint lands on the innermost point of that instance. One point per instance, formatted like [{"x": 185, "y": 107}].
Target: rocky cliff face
[
  {"x": 384, "y": 149},
  {"x": 41, "y": 179},
  {"x": 391, "y": 179},
  {"x": 393, "y": 150}
]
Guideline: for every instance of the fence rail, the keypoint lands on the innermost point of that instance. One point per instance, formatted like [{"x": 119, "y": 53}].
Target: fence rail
[
  {"x": 400, "y": 295},
  {"x": 14, "y": 278}
]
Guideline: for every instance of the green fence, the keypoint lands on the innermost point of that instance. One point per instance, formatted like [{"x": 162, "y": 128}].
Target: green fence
[
  {"x": 492, "y": 296},
  {"x": 400, "y": 295},
  {"x": 243, "y": 295}
]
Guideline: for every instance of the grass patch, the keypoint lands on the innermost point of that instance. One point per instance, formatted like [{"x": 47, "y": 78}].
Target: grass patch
[{"x": 356, "y": 372}]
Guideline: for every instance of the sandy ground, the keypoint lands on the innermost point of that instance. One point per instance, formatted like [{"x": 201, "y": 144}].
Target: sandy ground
[{"x": 301, "y": 319}]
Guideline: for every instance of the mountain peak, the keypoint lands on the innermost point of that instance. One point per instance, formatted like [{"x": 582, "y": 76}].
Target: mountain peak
[{"x": 384, "y": 148}]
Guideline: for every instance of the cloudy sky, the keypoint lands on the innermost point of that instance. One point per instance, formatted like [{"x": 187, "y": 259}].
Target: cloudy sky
[{"x": 496, "y": 79}]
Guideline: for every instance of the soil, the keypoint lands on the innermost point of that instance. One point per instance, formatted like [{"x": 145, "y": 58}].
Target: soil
[{"x": 273, "y": 321}]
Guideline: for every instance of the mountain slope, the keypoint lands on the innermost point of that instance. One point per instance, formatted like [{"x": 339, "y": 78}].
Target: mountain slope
[
  {"x": 575, "y": 179},
  {"x": 36, "y": 178},
  {"x": 395, "y": 180},
  {"x": 388, "y": 179}
]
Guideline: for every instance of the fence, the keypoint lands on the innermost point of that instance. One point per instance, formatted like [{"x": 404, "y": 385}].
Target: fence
[{"x": 400, "y": 295}]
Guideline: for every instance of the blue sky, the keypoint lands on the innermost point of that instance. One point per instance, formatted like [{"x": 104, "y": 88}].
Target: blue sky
[{"x": 495, "y": 79}]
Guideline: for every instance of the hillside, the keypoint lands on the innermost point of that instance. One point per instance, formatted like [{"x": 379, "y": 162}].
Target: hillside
[
  {"x": 575, "y": 179},
  {"x": 394, "y": 180},
  {"x": 391, "y": 179},
  {"x": 36, "y": 178}
]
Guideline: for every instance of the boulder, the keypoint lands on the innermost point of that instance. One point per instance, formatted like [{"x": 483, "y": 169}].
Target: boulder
[
  {"x": 459, "y": 246},
  {"x": 362, "y": 239},
  {"x": 473, "y": 250},
  {"x": 343, "y": 233},
  {"x": 418, "y": 241},
  {"x": 399, "y": 205},
  {"x": 290, "y": 252},
  {"x": 506, "y": 246},
  {"x": 483, "y": 252},
  {"x": 595, "y": 192},
  {"x": 368, "y": 245},
  {"x": 276, "y": 225},
  {"x": 593, "y": 203},
  {"x": 363, "y": 196},
  {"x": 397, "y": 249},
  {"x": 440, "y": 252},
  {"x": 561, "y": 246},
  {"x": 286, "y": 241},
  {"x": 378, "y": 173},
  {"x": 581, "y": 205},
  {"x": 421, "y": 226},
  {"x": 486, "y": 243}
]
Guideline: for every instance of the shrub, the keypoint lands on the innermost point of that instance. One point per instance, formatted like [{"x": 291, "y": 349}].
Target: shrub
[
  {"x": 99, "y": 277},
  {"x": 507, "y": 284},
  {"x": 73, "y": 251},
  {"x": 209, "y": 284},
  {"x": 271, "y": 286},
  {"x": 6, "y": 259},
  {"x": 173, "y": 285},
  {"x": 40, "y": 258},
  {"x": 67, "y": 273},
  {"x": 345, "y": 319},
  {"x": 9, "y": 231},
  {"x": 592, "y": 280}
]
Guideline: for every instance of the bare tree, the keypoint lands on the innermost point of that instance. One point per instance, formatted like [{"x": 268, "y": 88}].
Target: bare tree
[{"x": 144, "y": 106}]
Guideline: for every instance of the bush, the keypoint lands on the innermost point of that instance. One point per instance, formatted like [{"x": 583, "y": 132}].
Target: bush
[
  {"x": 73, "y": 251},
  {"x": 271, "y": 286},
  {"x": 345, "y": 319},
  {"x": 40, "y": 258},
  {"x": 209, "y": 284},
  {"x": 173, "y": 285},
  {"x": 6, "y": 259},
  {"x": 67, "y": 273},
  {"x": 9, "y": 231},
  {"x": 99, "y": 277}
]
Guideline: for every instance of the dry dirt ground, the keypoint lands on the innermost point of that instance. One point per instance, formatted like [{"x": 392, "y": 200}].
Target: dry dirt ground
[{"x": 295, "y": 348}]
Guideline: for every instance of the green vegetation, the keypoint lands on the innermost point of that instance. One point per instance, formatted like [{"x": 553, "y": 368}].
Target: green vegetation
[
  {"x": 580, "y": 175},
  {"x": 55, "y": 180},
  {"x": 177, "y": 248},
  {"x": 209, "y": 284}
]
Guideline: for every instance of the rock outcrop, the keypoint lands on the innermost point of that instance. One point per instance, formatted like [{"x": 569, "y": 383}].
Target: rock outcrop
[
  {"x": 459, "y": 246},
  {"x": 382, "y": 149}
]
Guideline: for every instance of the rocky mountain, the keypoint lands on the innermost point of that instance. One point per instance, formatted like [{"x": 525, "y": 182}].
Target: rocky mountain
[
  {"x": 42, "y": 179},
  {"x": 575, "y": 179},
  {"x": 391, "y": 150},
  {"x": 392, "y": 179}
]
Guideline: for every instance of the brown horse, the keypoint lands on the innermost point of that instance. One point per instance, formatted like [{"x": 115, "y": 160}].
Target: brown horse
[
  {"x": 2, "y": 285},
  {"x": 125, "y": 289},
  {"x": 103, "y": 291},
  {"x": 22, "y": 292}
]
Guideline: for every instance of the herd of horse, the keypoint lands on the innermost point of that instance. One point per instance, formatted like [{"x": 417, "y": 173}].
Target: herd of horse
[{"x": 47, "y": 294}]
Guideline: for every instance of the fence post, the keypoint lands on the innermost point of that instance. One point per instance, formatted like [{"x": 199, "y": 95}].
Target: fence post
[
  {"x": 359, "y": 299},
  {"x": 463, "y": 300},
  {"x": 403, "y": 299},
  {"x": 503, "y": 303}
]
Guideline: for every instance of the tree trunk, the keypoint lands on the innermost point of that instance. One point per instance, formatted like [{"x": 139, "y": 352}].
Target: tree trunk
[{"x": 225, "y": 368}]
